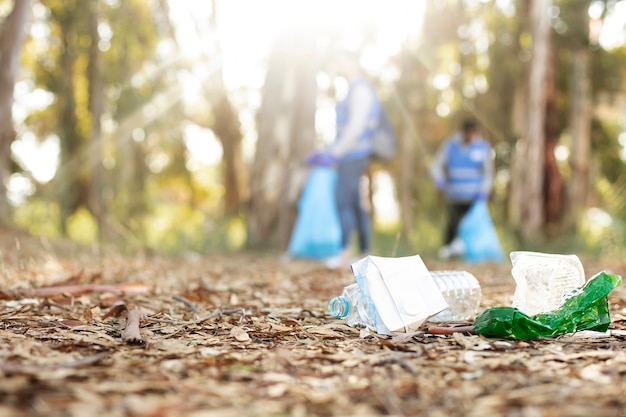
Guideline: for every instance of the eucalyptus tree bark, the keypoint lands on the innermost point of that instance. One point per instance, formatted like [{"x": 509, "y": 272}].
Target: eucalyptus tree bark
[
  {"x": 531, "y": 153},
  {"x": 11, "y": 40},
  {"x": 286, "y": 126}
]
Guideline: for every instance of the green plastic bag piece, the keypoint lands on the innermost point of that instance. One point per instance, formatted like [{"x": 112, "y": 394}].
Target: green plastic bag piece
[{"x": 587, "y": 308}]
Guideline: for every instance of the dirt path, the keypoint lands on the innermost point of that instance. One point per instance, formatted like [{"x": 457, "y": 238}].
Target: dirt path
[{"x": 247, "y": 335}]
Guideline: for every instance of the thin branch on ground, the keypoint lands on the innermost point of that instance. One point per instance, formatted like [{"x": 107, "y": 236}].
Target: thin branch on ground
[
  {"x": 186, "y": 302},
  {"x": 131, "y": 333}
]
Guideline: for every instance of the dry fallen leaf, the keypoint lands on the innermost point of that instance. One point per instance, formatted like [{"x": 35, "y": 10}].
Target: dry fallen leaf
[
  {"x": 277, "y": 352},
  {"x": 239, "y": 334},
  {"x": 595, "y": 373}
]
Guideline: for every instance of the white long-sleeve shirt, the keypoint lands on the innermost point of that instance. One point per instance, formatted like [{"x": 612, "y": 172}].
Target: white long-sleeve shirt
[{"x": 361, "y": 99}]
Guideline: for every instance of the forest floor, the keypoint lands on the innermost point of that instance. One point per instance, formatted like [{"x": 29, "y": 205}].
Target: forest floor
[{"x": 248, "y": 335}]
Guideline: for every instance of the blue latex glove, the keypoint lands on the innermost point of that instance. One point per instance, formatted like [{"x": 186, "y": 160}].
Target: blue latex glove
[
  {"x": 321, "y": 159},
  {"x": 311, "y": 158},
  {"x": 482, "y": 197}
]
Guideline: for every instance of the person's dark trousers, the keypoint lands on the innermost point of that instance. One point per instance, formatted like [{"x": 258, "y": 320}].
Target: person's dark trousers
[
  {"x": 352, "y": 215},
  {"x": 456, "y": 211}
]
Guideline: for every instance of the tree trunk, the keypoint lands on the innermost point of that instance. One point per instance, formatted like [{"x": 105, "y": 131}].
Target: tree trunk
[
  {"x": 96, "y": 108},
  {"x": 580, "y": 125},
  {"x": 532, "y": 152},
  {"x": 72, "y": 190},
  {"x": 227, "y": 128},
  {"x": 286, "y": 129},
  {"x": 516, "y": 190},
  {"x": 410, "y": 81},
  {"x": 225, "y": 121},
  {"x": 553, "y": 183},
  {"x": 405, "y": 187},
  {"x": 11, "y": 39}
]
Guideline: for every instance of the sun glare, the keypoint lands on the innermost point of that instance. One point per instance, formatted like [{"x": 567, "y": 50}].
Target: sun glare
[
  {"x": 40, "y": 158},
  {"x": 247, "y": 28},
  {"x": 612, "y": 33}
]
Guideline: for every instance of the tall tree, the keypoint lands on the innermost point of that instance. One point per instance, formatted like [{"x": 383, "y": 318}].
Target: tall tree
[
  {"x": 412, "y": 159},
  {"x": 581, "y": 113},
  {"x": 227, "y": 128},
  {"x": 529, "y": 180},
  {"x": 286, "y": 126},
  {"x": 11, "y": 40},
  {"x": 72, "y": 184},
  {"x": 96, "y": 109},
  {"x": 223, "y": 118},
  {"x": 553, "y": 183},
  {"x": 83, "y": 39}
]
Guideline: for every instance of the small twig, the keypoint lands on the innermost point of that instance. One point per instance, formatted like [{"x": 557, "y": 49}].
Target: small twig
[
  {"x": 10, "y": 313},
  {"x": 186, "y": 302},
  {"x": 405, "y": 337},
  {"x": 176, "y": 333},
  {"x": 450, "y": 330},
  {"x": 115, "y": 310},
  {"x": 395, "y": 359},
  {"x": 48, "y": 303},
  {"x": 131, "y": 333}
]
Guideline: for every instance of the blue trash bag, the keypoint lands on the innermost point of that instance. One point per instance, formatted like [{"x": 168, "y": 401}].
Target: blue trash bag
[
  {"x": 479, "y": 235},
  {"x": 317, "y": 232}
]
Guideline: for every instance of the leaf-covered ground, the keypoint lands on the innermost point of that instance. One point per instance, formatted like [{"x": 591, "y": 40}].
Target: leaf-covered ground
[{"x": 247, "y": 335}]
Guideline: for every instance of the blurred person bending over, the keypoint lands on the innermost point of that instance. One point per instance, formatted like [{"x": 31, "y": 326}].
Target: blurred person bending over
[
  {"x": 463, "y": 170},
  {"x": 357, "y": 117}
]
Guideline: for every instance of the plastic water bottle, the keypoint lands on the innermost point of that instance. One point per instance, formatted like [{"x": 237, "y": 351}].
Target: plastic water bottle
[
  {"x": 461, "y": 291},
  {"x": 352, "y": 307}
]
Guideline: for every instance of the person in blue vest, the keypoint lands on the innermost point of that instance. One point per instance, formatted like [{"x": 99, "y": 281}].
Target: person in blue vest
[
  {"x": 463, "y": 170},
  {"x": 357, "y": 117}
]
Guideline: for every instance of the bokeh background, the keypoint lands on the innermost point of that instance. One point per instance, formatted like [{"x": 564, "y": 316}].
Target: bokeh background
[{"x": 183, "y": 125}]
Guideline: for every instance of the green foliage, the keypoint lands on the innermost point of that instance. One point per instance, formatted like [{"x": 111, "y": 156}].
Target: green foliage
[
  {"x": 169, "y": 206},
  {"x": 179, "y": 228},
  {"x": 82, "y": 227},
  {"x": 608, "y": 150},
  {"x": 608, "y": 70},
  {"x": 39, "y": 217},
  {"x": 174, "y": 226},
  {"x": 59, "y": 63}
]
